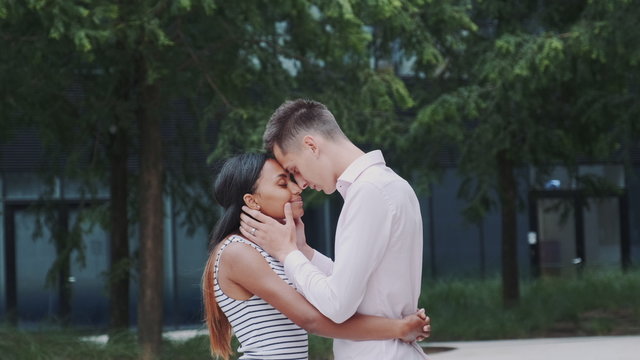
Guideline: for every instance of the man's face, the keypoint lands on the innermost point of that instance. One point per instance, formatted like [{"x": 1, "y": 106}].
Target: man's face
[{"x": 308, "y": 169}]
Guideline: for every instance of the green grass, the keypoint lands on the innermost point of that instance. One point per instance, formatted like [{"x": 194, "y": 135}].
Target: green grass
[
  {"x": 597, "y": 303},
  {"x": 50, "y": 345},
  {"x": 68, "y": 345}
]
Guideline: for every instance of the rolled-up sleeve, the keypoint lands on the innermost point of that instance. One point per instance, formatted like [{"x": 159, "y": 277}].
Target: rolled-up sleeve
[{"x": 364, "y": 231}]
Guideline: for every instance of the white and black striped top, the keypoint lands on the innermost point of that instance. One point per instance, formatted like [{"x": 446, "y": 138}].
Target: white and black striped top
[{"x": 263, "y": 332}]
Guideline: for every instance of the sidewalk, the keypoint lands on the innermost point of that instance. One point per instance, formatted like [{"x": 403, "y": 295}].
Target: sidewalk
[
  {"x": 570, "y": 348},
  {"x": 175, "y": 335},
  {"x": 582, "y": 348}
]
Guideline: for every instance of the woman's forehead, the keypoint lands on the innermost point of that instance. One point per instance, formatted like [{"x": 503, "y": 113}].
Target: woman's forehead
[{"x": 272, "y": 169}]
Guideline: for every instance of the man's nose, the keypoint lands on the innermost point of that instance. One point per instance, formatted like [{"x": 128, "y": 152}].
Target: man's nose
[{"x": 301, "y": 182}]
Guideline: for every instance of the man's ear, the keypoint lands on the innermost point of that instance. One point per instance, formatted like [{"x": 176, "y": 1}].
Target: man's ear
[
  {"x": 310, "y": 143},
  {"x": 251, "y": 202}
]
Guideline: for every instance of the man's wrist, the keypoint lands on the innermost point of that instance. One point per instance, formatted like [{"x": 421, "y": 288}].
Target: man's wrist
[
  {"x": 301, "y": 244},
  {"x": 284, "y": 253},
  {"x": 307, "y": 250}
]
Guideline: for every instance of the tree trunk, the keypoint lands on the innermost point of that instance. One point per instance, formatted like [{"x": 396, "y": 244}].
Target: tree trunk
[
  {"x": 119, "y": 244},
  {"x": 508, "y": 198},
  {"x": 150, "y": 298}
]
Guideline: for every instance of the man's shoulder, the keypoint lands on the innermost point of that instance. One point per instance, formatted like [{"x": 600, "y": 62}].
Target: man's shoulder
[
  {"x": 383, "y": 183},
  {"x": 383, "y": 178},
  {"x": 379, "y": 173}
]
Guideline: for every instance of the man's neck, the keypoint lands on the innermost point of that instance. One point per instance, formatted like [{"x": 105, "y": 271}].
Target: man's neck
[{"x": 344, "y": 153}]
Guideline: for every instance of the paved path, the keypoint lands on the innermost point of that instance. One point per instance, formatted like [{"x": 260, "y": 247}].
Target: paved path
[
  {"x": 175, "y": 335},
  {"x": 579, "y": 348}
]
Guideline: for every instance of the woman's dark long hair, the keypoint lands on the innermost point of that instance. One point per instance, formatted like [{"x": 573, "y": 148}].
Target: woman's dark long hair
[{"x": 238, "y": 176}]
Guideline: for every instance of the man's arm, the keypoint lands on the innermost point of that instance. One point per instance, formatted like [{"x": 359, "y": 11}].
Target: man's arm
[
  {"x": 248, "y": 269},
  {"x": 360, "y": 244},
  {"x": 322, "y": 262}
]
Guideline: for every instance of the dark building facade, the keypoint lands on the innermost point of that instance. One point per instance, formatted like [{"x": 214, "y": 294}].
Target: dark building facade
[{"x": 561, "y": 230}]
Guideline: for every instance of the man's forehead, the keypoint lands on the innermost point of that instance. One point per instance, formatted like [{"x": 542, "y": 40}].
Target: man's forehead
[
  {"x": 286, "y": 160},
  {"x": 288, "y": 165}
]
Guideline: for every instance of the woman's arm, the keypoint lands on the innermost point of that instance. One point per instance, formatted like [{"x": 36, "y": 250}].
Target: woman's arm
[{"x": 248, "y": 269}]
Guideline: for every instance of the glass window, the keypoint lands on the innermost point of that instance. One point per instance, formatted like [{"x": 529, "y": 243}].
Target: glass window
[
  {"x": 19, "y": 186},
  {"x": 556, "y": 178},
  {"x": 614, "y": 174}
]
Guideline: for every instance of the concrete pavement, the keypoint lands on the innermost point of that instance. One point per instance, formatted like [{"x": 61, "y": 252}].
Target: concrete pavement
[{"x": 579, "y": 348}]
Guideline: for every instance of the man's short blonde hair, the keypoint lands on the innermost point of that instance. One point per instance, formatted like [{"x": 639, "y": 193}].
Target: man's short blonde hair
[{"x": 295, "y": 117}]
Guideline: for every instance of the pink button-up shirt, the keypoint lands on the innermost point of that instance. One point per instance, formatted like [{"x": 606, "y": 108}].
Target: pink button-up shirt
[{"x": 378, "y": 258}]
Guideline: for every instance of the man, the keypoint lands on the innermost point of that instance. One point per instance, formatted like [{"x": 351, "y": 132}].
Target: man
[{"x": 378, "y": 245}]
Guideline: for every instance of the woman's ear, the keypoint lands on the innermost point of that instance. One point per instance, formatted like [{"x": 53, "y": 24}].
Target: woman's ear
[{"x": 251, "y": 202}]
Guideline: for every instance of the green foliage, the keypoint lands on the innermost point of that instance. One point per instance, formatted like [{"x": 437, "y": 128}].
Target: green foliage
[
  {"x": 235, "y": 63},
  {"x": 320, "y": 348},
  {"x": 78, "y": 72},
  {"x": 536, "y": 83},
  {"x": 72, "y": 345},
  {"x": 544, "y": 82},
  {"x": 594, "y": 303},
  {"x": 58, "y": 345},
  {"x": 539, "y": 81}
]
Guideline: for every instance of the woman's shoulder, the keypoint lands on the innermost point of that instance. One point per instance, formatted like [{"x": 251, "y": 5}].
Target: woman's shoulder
[
  {"x": 242, "y": 260},
  {"x": 237, "y": 247}
]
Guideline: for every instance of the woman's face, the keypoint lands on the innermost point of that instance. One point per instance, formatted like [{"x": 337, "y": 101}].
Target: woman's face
[{"x": 274, "y": 189}]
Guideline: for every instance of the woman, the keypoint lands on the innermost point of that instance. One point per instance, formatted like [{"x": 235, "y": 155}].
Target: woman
[{"x": 245, "y": 288}]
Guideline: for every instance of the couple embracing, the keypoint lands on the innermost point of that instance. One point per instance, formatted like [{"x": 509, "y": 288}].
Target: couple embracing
[{"x": 266, "y": 285}]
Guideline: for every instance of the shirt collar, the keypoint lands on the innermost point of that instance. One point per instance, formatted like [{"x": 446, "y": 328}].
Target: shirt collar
[{"x": 357, "y": 167}]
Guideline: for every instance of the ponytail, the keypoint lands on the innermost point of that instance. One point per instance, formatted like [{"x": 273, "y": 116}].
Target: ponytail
[{"x": 217, "y": 322}]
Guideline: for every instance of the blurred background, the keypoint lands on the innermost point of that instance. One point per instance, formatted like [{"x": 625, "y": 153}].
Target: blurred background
[{"x": 517, "y": 122}]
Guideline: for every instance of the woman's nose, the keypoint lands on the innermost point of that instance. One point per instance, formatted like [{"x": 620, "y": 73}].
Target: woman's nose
[{"x": 294, "y": 188}]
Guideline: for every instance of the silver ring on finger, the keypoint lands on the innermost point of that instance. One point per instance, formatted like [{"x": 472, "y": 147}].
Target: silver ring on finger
[{"x": 253, "y": 231}]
